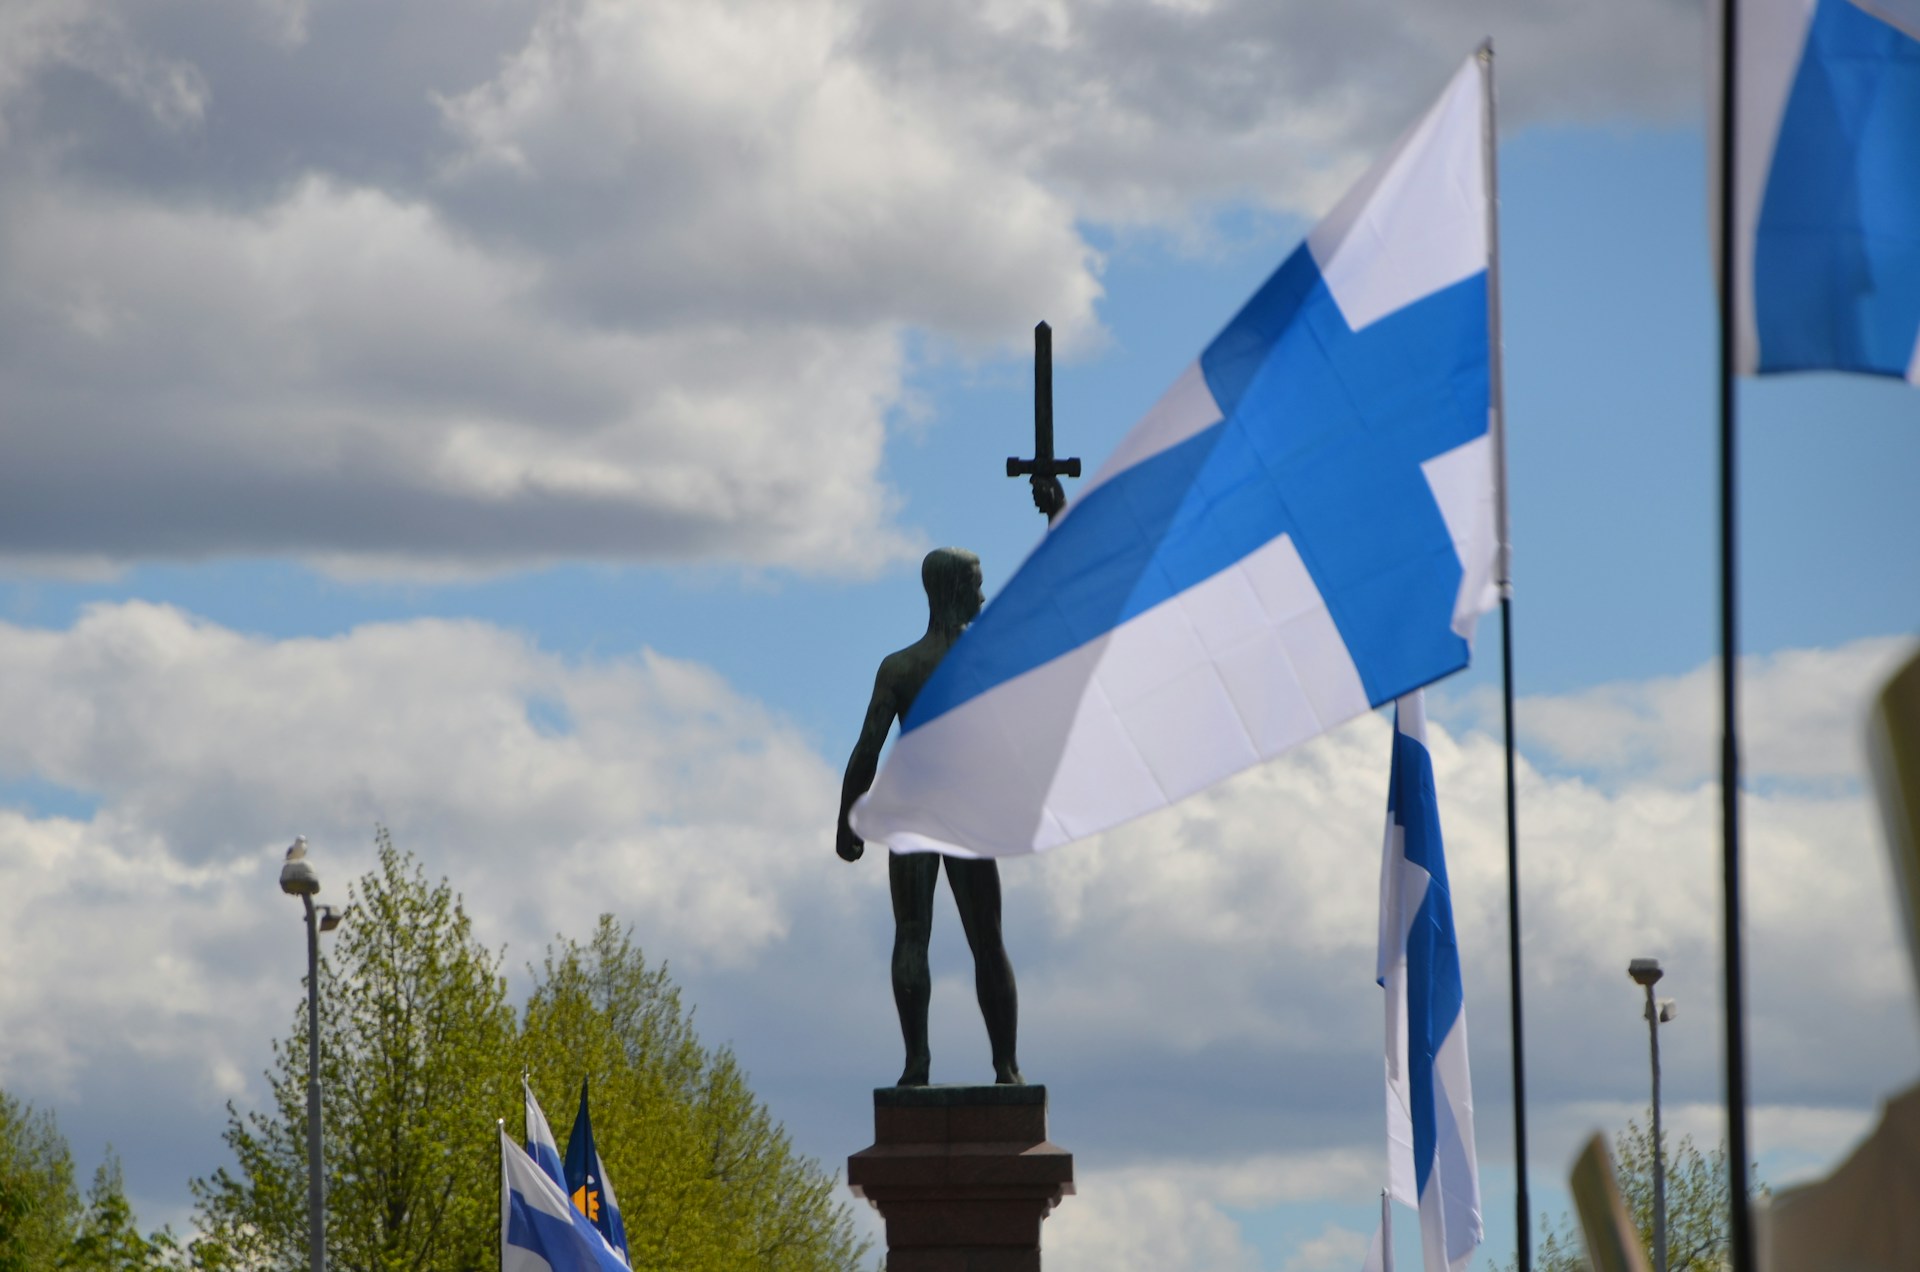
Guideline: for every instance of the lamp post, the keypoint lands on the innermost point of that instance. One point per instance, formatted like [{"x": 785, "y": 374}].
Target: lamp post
[
  {"x": 299, "y": 879},
  {"x": 1645, "y": 972}
]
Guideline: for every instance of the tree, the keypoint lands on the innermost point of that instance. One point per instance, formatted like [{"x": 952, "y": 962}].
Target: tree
[
  {"x": 1698, "y": 1239},
  {"x": 37, "y": 1197},
  {"x": 44, "y": 1225},
  {"x": 421, "y": 1054},
  {"x": 417, "y": 1038},
  {"x": 706, "y": 1178},
  {"x": 107, "y": 1239}
]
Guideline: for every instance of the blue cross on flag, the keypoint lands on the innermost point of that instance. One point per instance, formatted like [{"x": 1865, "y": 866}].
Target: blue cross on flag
[{"x": 1304, "y": 527}]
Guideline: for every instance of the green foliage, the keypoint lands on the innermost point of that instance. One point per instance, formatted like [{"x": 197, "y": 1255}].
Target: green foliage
[
  {"x": 43, "y": 1223},
  {"x": 107, "y": 1239},
  {"x": 37, "y": 1198},
  {"x": 421, "y": 1054},
  {"x": 1698, "y": 1239},
  {"x": 416, "y": 1039},
  {"x": 706, "y": 1178}
]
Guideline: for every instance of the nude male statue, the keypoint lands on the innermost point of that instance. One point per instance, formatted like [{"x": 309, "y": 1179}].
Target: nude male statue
[{"x": 952, "y": 579}]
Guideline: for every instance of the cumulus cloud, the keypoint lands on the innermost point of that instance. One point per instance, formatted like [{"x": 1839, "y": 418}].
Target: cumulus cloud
[
  {"x": 205, "y": 744},
  {"x": 686, "y": 159},
  {"x": 1802, "y": 718},
  {"x": 1176, "y": 1213},
  {"x": 1150, "y": 112},
  {"x": 167, "y": 975},
  {"x": 452, "y": 285},
  {"x": 344, "y": 374},
  {"x": 91, "y": 38},
  {"x": 1142, "y": 1220}
]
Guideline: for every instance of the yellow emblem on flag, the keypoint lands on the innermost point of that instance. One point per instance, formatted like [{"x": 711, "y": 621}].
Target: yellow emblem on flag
[{"x": 587, "y": 1202}]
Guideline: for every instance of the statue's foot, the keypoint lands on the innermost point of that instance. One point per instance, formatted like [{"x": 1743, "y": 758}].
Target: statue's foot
[
  {"x": 915, "y": 1074},
  {"x": 1007, "y": 1075}
]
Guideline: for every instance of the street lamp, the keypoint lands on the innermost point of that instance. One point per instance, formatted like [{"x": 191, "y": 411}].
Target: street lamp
[
  {"x": 1645, "y": 972},
  {"x": 299, "y": 879}
]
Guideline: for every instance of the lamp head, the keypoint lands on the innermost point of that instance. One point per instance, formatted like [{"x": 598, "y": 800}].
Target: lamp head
[
  {"x": 330, "y": 918},
  {"x": 1645, "y": 971},
  {"x": 298, "y": 878}
]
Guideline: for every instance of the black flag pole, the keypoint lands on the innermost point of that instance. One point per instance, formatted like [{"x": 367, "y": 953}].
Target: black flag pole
[
  {"x": 1741, "y": 1223},
  {"x": 1497, "y": 426}
]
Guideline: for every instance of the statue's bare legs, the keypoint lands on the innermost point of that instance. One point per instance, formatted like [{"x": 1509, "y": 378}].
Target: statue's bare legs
[
  {"x": 911, "y": 877},
  {"x": 976, "y": 892}
]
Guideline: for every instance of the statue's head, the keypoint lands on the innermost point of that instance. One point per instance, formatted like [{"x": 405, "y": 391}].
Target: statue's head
[{"x": 952, "y": 579}]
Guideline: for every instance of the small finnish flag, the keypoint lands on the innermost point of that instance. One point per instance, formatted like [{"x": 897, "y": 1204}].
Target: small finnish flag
[{"x": 1430, "y": 1157}]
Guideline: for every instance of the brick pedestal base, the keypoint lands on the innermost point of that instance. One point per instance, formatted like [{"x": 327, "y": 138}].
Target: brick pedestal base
[{"x": 962, "y": 1175}]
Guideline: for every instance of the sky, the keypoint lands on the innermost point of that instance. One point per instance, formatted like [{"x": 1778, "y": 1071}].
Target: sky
[{"x": 517, "y": 423}]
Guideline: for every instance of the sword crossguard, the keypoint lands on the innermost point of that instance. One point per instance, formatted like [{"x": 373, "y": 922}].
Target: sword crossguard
[{"x": 1053, "y": 467}]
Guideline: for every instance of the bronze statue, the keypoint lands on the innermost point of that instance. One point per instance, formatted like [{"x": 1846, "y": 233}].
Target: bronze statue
[{"x": 952, "y": 579}]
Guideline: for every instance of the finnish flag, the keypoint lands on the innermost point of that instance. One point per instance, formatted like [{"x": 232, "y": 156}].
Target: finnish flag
[
  {"x": 1430, "y": 1157},
  {"x": 1304, "y": 527},
  {"x": 541, "y": 1146},
  {"x": 540, "y": 1231},
  {"x": 1826, "y": 207}
]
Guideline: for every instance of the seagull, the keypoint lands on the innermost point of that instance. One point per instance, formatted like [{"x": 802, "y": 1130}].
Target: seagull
[{"x": 298, "y": 852}]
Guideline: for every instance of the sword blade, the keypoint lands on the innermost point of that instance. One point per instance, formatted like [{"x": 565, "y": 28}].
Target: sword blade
[{"x": 1043, "y": 398}]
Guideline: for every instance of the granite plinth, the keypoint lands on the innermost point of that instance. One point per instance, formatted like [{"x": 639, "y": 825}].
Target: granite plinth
[{"x": 962, "y": 1176}]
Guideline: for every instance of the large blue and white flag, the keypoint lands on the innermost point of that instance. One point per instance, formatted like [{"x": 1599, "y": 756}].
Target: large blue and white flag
[
  {"x": 1430, "y": 1158},
  {"x": 541, "y": 1146},
  {"x": 1827, "y": 186},
  {"x": 540, "y": 1231},
  {"x": 1302, "y": 528}
]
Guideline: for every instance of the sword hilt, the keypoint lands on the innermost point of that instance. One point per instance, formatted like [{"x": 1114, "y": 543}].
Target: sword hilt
[{"x": 1054, "y": 467}]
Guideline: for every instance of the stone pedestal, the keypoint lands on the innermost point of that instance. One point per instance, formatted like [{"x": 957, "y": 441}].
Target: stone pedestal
[{"x": 962, "y": 1175}]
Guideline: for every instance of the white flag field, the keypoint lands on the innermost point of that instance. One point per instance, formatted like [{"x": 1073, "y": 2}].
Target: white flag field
[
  {"x": 541, "y": 1146},
  {"x": 1306, "y": 526}
]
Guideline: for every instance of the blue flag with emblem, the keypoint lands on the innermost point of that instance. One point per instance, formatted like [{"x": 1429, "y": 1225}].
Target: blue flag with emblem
[
  {"x": 587, "y": 1185},
  {"x": 1304, "y": 527},
  {"x": 1826, "y": 204}
]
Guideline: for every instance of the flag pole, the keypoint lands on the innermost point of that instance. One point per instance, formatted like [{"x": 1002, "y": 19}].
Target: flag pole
[
  {"x": 1740, "y": 1219},
  {"x": 1386, "y": 1231},
  {"x": 1497, "y": 430}
]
